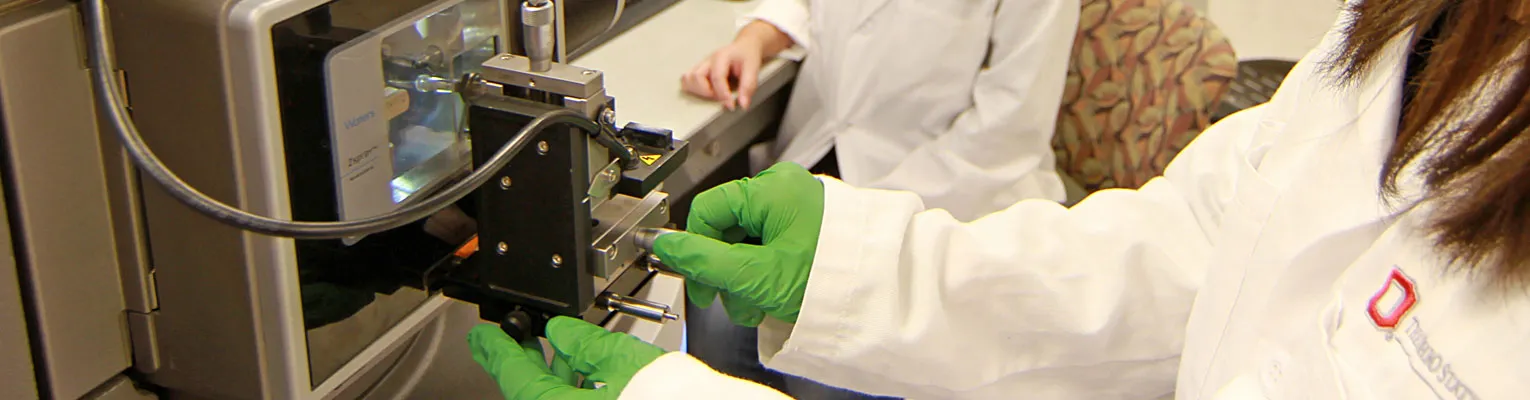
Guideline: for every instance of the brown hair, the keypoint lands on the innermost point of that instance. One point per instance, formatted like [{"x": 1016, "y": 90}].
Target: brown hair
[{"x": 1466, "y": 142}]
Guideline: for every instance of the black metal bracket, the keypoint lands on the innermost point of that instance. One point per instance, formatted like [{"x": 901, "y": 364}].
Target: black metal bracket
[
  {"x": 533, "y": 225},
  {"x": 660, "y": 155},
  {"x": 535, "y": 228}
]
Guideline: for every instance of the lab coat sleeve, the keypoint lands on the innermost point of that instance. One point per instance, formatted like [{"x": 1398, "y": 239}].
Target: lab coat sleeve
[
  {"x": 789, "y": 16},
  {"x": 999, "y": 151},
  {"x": 679, "y": 376},
  {"x": 1035, "y": 301}
]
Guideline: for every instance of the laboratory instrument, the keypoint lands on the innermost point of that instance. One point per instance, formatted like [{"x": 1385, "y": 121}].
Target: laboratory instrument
[{"x": 299, "y": 112}]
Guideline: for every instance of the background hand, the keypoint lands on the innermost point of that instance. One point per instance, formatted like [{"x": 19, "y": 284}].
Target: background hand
[
  {"x": 732, "y": 74},
  {"x": 782, "y": 206},
  {"x": 600, "y": 355},
  {"x": 729, "y": 76}
]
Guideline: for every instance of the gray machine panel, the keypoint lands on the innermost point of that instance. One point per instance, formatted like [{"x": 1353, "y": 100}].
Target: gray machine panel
[
  {"x": 58, "y": 201},
  {"x": 16, "y": 375},
  {"x": 170, "y": 50}
]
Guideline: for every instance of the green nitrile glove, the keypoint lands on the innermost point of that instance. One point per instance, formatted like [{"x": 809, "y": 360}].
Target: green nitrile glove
[
  {"x": 782, "y": 206},
  {"x": 600, "y": 355}
]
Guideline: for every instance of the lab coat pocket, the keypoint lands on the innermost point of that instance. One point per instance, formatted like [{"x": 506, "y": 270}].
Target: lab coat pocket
[{"x": 1255, "y": 195}]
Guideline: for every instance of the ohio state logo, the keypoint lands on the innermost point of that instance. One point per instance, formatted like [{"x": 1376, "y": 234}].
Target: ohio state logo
[{"x": 1399, "y": 289}]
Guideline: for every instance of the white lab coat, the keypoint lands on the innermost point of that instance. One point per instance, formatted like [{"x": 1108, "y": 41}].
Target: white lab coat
[
  {"x": 898, "y": 88},
  {"x": 1263, "y": 264}
]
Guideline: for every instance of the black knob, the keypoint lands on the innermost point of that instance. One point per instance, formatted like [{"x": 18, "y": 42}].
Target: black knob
[{"x": 519, "y": 325}]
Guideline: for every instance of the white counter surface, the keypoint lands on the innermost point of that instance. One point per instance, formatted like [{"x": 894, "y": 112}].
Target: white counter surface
[{"x": 643, "y": 65}]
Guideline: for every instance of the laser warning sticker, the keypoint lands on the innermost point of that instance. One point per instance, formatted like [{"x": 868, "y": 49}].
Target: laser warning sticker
[{"x": 649, "y": 159}]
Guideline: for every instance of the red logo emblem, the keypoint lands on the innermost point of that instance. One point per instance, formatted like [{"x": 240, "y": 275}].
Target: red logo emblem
[{"x": 1389, "y": 318}]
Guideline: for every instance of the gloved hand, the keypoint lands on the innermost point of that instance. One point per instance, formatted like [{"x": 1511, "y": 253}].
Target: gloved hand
[
  {"x": 784, "y": 207},
  {"x": 600, "y": 355}
]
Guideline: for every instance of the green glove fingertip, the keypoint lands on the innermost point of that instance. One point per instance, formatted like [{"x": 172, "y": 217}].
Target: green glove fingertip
[
  {"x": 699, "y": 294},
  {"x": 488, "y": 341},
  {"x": 741, "y": 312}
]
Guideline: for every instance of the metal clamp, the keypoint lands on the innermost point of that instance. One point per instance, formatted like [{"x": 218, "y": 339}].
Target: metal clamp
[{"x": 617, "y": 219}]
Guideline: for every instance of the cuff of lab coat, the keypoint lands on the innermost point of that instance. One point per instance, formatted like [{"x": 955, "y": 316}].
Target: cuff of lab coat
[
  {"x": 792, "y": 19},
  {"x": 827, "y": 325},
  {"x": 677, "y": 375}
]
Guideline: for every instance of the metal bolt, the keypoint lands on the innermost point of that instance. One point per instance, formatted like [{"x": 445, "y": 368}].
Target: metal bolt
[
  {"x": 608, "y": 117},
  {"x": 502, "y": 247},
  {"x": 542, "y": 147},
  {"x": 557, "y": 261},
  {"x": 504, "y": 182},
  {"x": 588, "y": 72},
  {"x": 610, "y": 175},
  {"x": 663, "y": 206}
]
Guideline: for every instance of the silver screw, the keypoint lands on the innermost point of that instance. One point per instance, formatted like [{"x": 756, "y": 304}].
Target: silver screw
[
  {"x": 610, "y": 175},
  {"x": 608, "y": 117},
  {"x": 588, "y": 72},
  {"x": 663, "y": 206},
  {"x": 542, "y": 147},
  {"x": 557, "y": 261},
  {"x": 504, "y": 182},
  {"x": 502, "y": 247}
]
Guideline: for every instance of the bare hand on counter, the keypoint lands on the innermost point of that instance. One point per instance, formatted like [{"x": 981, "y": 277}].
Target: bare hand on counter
[{"x": 731, "y": 74}]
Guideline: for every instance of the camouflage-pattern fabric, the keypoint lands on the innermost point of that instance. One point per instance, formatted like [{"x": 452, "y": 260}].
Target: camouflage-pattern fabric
[{"x": 1144, "y": 79}]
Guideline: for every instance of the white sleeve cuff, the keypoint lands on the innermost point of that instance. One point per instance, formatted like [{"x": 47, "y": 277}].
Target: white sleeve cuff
[
  {"x": 677, "y": 375},
  {"x": 828, "y": 326},
  {"x": 789, "y": 16}
]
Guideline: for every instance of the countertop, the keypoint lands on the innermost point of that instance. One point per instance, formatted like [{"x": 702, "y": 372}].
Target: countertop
[{"x": 642, "y": 66}]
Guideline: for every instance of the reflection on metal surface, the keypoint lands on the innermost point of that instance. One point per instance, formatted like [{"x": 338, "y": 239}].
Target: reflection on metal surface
[
  {"x": 397, "y": 132},
  {"x": 331, "y": 346},
  {"x": 424, "y": 60}
]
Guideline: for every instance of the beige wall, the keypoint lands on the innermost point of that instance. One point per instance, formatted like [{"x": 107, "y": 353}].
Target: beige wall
[{"x": 1284, "y": 29}]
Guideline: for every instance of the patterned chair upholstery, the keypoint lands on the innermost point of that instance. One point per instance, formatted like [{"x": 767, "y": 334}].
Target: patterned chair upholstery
[{"x": 1145, "y": 78}]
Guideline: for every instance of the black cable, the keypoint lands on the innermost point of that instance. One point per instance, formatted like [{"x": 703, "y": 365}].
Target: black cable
[{"x": 109, "y": 101}]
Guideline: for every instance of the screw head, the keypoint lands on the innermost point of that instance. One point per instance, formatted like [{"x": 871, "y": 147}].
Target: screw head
[
  {"x": 663, "y": 206},
  {"x": 502, "y": 247},
  {"x": 557, "y": 261},
  {"x": 542, "y": 147},
  {"x": 588, "y": 72},
  {"x": 504, "y": 182}
]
